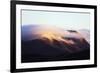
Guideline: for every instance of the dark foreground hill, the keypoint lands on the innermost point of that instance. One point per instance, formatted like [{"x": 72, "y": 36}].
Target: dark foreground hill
[{"x": 39, "y": 50}]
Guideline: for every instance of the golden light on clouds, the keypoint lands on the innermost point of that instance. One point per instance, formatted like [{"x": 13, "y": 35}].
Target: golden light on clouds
[{"x": 51, "y": 34}]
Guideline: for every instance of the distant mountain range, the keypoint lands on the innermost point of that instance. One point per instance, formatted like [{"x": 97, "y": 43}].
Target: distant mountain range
[
  {"x": 29, "y": 32},
  {"x": 72, "y": 46}
]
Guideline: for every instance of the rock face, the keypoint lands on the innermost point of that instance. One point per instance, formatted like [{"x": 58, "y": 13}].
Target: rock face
[{"x": 72, "y": 46}]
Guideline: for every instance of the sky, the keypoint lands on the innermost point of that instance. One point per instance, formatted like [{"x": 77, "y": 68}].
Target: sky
[{"x": 64, "y": 20}]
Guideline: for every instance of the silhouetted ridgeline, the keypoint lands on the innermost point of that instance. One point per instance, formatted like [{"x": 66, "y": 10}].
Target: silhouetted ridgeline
[{"x": 73, "y": 45}]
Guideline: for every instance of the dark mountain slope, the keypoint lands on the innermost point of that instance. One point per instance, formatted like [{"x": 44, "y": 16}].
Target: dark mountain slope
[{"x": 40, "y": 50}]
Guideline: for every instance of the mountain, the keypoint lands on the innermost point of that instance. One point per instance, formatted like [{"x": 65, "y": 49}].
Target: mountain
[
  {"x": 40, "y": 50},
  {"x": 39, "y": 44}
]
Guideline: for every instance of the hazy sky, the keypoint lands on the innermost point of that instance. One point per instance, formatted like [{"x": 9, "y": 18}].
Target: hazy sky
[{"x": 65, "y": 20}]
